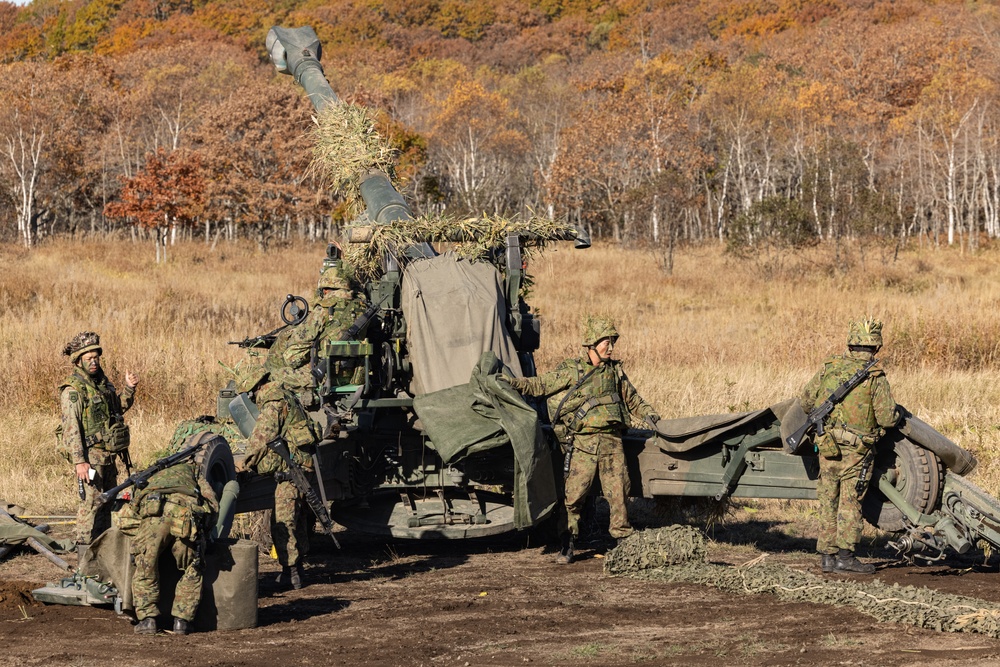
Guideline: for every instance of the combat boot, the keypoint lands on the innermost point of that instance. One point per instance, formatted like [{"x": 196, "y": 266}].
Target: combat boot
[
  {"x": 181, "y": 627},
  {"x": 828, "y": 562},
  {"x": 296, "y": 576},
  {"x": 565, "y": 556},
  {"x": 146, "y": 626},
  {"x": 849, "y": 563}
]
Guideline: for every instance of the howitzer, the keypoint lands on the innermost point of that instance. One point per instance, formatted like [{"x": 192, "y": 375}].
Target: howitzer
[
  {"x": 141, "y": 478},
  {"x": 297, "y": 476},
  {"x": 819, "y": 414}
]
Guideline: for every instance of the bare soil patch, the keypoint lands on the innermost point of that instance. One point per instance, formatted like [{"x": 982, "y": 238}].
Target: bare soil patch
[{"x": 503, "y": 602}]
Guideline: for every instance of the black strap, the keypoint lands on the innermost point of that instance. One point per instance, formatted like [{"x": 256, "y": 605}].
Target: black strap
[{"x": 569, "y": 393}]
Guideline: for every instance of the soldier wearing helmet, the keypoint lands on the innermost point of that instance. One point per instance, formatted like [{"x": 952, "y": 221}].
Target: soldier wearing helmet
[
  {"x": 337, "y": 305},
  {"x": 282, "y": 415},
  {"x": 93, "y": 433},
  {"x": 590, "y": 401},
  {"x": 851, "y": 431}
]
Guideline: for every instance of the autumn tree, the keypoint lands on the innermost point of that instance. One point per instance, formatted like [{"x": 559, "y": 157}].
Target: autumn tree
[{"x": 165, "y": 194}]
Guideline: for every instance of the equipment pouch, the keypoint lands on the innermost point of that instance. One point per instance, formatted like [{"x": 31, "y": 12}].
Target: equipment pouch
[
  {"x": 151, "y": 505},
  {"x": 126, "y": 519},
  {"x": 827, "y": 446},
  {"x": 118, "y": 438}
]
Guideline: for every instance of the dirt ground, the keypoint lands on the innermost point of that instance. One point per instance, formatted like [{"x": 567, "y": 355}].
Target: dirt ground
[{"x": 506, "y": 602}]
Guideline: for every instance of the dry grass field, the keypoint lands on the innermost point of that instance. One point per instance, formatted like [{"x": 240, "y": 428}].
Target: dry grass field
[{"x": 716, "y": 335}]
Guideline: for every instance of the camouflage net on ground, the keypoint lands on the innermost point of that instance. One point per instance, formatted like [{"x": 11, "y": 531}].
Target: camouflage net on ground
[
  {"x": 670, "y": 554},
  {"x": 347, "y": 148},
  {"x": 473, "y": 238}
]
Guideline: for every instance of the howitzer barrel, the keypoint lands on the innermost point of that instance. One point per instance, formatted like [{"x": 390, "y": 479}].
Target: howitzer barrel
[{"x": 297, "y": 51}]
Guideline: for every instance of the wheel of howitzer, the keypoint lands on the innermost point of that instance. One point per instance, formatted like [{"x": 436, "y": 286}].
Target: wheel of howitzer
[
  {"x": 215, "y": 461},
  {"x": 916, "y": 472}
]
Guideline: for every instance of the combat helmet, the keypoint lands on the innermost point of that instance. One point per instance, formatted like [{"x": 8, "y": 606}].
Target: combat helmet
[
  {"x": 82, "y": 343},
  {"x": 331, "y": 277},
  {"x": 865, "y": 333},
  {"x": 596, "y": 328}
]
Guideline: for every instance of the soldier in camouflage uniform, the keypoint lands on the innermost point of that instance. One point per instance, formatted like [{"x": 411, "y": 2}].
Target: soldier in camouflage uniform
[
  {"x": 176, "y": 509},
  {"x": 282, "y": 414},
  {"x": 336, "y": 308},
  {"x": 92, "y": 433},
  {"x": 591, "y": 414},
  {"x": 851, "y": 431}
]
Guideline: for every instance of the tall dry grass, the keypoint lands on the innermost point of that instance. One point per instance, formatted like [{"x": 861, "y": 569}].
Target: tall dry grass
[{"x": 716, "y": 335}]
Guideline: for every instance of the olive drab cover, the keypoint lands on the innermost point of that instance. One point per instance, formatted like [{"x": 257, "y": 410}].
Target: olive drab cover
[{"x": 454, "y": 312}]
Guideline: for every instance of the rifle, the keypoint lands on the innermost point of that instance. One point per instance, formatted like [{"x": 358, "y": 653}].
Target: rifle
[
  {"x": 296, "y": 476},
  {"x": 820, "y": 413},
  {"x": 141, "y": 478}
]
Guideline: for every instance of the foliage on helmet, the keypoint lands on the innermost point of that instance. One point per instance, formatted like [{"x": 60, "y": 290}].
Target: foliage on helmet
[
  {"x": 82, "y": 343},
  {"x": 866, "y": 333},
  {"x": 596, "y": 328}
]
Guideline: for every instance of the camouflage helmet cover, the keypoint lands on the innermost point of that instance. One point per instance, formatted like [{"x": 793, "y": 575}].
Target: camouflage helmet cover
[
  {"x": 82, "y": 343},
  {"x": 596, "y": 328},
  {"x": 865, "y": 333},
  {"x": 332, "y": 277}
]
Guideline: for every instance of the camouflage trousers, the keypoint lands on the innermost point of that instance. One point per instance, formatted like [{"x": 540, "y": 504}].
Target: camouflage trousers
[
  {"x": 598, "y": 454},
  {"x": 91, "y": 521},
  {"x": 289, "y": 527},
  {"x": 159, "y": 534},
  {"x": 840, "y": 519}
]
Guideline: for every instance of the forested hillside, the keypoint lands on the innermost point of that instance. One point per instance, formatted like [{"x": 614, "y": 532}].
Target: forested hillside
[{"x": 665, "y": 121}]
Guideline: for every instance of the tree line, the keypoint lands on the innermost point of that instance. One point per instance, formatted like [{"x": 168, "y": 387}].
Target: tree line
[{"x": 660, "y": 121}]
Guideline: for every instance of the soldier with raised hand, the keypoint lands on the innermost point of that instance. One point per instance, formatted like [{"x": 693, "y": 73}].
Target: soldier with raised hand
[
  {"x": 851, "y": 431},
  {"x": 590, "y": 408},
  {"x": 93, "y": 431},
  {"x": 176, "y": 508},
  {"x": 282, "y": 415}
]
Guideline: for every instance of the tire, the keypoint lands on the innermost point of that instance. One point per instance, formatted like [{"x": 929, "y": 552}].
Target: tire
[
  {"x": 215, "y": 463},
  {"x": 916, "y": 472}
]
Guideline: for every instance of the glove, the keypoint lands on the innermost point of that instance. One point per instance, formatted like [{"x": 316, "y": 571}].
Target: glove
[{"x": 652, "y": 420}]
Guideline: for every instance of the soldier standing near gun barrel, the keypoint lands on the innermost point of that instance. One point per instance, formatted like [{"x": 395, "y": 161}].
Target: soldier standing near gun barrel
[
  {"x": 336, "y": 308},
  {"x": 93, "y": 431},
  {"x": 591, "y": 417},
  {"x": 851, "y": 431},
  {"x": 176, "y": 509},
  {"x": 282, "y": 415}
]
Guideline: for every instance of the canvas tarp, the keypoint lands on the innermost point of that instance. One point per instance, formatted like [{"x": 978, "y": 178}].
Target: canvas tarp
[
  {"x": 455, "y": 310},
  {"x": 485, "y": 413}
]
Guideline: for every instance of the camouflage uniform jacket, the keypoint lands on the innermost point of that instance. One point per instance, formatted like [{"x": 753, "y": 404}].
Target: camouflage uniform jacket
[
  {"x": 866, "y": 411},
  {"x": 180, "y": 485},
  {"x": 281, "y": 414},
  {"x": 329, "y": 318},
  {"x": 600, "y": 404},
  {"x": 89, "y": 408}
]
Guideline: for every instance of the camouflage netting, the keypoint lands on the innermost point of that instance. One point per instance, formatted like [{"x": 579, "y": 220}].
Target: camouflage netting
[
  {"x": 659, "y": 547},
  {"x": 922, "y": 607},
  {"x": 473, "y": 238},
  {"x": 347, "y": 148}
]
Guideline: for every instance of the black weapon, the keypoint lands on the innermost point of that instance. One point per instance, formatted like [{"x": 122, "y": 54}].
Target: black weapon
[
  {"x": 81, "y": 489},
  {"x": 297, "y": 477},
  {"x": 567, "y": 460},
  {"x": 866, "y": 468},
  {"x": 141, "y": 478},
  {"x": 816, "y": 417}
]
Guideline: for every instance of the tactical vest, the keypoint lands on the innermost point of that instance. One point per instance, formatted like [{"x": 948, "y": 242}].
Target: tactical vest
[
  {"x": 296, "y": 428},
  {"x": 103, "y": 422},
  {"x": 596, "y": 405},
  {"x": 855, "y": 413}
]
